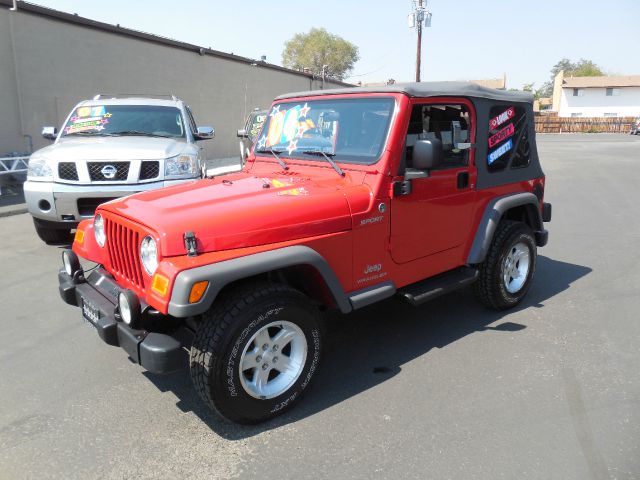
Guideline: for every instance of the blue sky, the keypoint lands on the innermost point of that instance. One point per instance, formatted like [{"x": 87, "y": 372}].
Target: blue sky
[{"x": 468, "y": 39}]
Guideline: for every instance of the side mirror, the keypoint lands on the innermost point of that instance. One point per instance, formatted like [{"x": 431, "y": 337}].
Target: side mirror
[
  {"x": 205, "y": 133},
  {"x": 242, "y": 133},
  {"x": 427, "y": 154},
  {"x": 50, "y": 133}
]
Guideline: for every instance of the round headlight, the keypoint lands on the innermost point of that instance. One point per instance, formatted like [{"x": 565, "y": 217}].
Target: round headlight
[
  {"x": 98, "y": 230},
  {"x": 149, "y": 254}
]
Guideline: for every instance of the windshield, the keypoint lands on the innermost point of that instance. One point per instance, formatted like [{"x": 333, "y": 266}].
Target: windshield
[
  {"x": 150, "y": 120},
  {"x": 354, "y": 130},
  {"x": 254, "y": 125}
]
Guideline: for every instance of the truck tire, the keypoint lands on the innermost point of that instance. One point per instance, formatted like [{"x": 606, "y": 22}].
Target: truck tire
[
  {"x": 256, "y": 351},
  {"x": 52, "y": 236},
  {"x": 507, "y": 272}
]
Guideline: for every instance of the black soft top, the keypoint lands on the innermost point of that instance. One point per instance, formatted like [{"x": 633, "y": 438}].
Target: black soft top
[{"x": 427, "y": 89}]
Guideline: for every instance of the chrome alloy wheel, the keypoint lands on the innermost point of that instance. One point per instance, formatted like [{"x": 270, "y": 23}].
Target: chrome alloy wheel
[
  {"x": 273, "y": 359},
  {"x": 515, "y": 267}
]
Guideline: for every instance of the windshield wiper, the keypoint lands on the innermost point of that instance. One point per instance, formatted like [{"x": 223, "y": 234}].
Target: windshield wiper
[
  {"x": 85, "y": 133},
  {"x": 275, "y": 154},
  {"x": 328, "y": 157},
  {"x": 137, "y": 132}
]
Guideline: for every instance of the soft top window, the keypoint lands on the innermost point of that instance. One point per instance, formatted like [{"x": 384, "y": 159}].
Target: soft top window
[
  {"x": 354, "y": 129},
  {"x": 508, "y": 141}
]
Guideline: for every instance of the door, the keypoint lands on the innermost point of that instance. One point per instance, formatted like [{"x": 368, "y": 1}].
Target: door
[{"x": 435, "y": 216}]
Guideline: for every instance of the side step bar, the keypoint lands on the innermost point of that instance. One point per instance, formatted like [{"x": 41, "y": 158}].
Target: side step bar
[{"x": 420, "y": 292}]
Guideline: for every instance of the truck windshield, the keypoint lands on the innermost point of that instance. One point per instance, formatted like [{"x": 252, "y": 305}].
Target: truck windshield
[
  {"x": 354, "y": 129},
  {"x": 116, "y": 120}
]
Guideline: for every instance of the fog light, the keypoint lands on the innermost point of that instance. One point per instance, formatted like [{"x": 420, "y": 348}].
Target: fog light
[
  {"x": 129, "y": 307},
  {"x": 71, "y": 263}
]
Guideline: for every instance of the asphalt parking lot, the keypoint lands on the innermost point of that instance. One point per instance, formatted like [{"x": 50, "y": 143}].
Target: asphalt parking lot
[{"x": 447, "y": 390}]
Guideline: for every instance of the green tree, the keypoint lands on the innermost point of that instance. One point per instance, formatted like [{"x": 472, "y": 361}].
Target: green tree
[
  {"x": 581, "y": 68},
  {"x": 318, "y": 48}
]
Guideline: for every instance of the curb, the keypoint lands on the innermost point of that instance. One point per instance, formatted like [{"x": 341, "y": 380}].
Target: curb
[{"x": 13, "y": 210}]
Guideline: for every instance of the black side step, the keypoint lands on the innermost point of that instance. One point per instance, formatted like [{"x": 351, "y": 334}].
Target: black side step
[{"x": 420, "y": 292}]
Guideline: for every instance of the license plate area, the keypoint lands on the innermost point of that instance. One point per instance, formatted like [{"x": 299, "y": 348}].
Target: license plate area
[{"x": 90, "y": 313}]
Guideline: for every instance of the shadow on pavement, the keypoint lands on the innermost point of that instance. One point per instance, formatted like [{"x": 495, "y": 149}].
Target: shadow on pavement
[{"x": 369, "y": 346}]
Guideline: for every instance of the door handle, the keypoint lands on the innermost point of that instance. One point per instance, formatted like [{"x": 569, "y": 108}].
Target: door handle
[{"x": 463, "y": 180}]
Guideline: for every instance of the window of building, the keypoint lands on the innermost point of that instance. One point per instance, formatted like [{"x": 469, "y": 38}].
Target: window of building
[
  {"x": 610, "y": 114},
  {"x": 576, "y": 114},
  {"x": 578, "y": 92},
  {"x": 613, "y": 92}
]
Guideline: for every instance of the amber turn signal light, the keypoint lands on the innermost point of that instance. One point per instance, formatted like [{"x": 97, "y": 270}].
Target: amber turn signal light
[
  {"x": 79, "y": 237},
  {"x": 160, "y": 284},
  {"x": 197, "y": 291}
]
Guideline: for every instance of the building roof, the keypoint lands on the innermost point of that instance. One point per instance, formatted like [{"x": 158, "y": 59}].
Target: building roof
[
  {"x": 602, "y": 82},
  {"x": 127, "y": 32},
  {"x": 499, "y": 83},
  {"x": 427, "y": 89}
]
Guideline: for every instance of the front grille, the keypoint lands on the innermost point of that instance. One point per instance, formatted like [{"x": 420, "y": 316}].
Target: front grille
[
  {"x": 87, "y": 206},
  {"x": 99, "y": 171},
  {"x": 149, "y": 170},
  {"x": 67, "y": 171},
  {"x": 124, "y": 252}
]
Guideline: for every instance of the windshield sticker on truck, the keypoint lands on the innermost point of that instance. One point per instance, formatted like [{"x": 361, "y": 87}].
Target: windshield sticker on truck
[
  {"x": 88, "y": 118},
  {"x": 501, "y": 150},
  {"x": 503, "y": 134},
  {"x": 495, "y": 122}
]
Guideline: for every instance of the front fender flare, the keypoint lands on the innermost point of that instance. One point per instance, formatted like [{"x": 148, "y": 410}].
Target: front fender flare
[{"x": 221, "y": 274}]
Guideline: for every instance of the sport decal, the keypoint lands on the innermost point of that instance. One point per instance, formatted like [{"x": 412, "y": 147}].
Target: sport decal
[
  {"x": 508, "y": 114},
  {"x": 506, "y": 132},
  {"x": 501, "y": 150}
]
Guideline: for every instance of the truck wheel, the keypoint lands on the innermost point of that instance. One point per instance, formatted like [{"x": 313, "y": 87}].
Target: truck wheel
[
  {"x": 507, "y": 272},
  {"x": 52, "y": 235},
  {"x": 256, "y": 351}
]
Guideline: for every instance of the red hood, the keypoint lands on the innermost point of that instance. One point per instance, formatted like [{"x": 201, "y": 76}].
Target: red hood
[{"x": 239, "y": 210}]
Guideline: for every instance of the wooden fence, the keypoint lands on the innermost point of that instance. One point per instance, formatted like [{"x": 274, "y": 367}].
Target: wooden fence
[{"x": 554, "y": 124}]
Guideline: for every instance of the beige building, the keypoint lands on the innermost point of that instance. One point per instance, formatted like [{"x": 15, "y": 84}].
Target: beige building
[
  {"x": 603, "y": 96},
  {"x": 50, "y": 60}
]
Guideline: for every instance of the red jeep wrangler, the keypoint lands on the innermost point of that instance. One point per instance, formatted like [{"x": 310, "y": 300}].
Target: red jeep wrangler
[{"x": 350, "y": 197}]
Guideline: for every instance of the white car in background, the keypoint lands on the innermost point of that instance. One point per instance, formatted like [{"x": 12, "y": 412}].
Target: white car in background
[{"x": 110, "y": 147}]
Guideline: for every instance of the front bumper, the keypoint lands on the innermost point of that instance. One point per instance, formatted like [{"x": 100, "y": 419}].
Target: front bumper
[
  {"x": 68, "y": 203},
  {"x": 156, "y": 352}
]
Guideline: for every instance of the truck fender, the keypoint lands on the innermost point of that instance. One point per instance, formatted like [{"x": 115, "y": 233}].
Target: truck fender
[
  {"x": 493, "y": 213},
  {"x": 221, "y": 274}
]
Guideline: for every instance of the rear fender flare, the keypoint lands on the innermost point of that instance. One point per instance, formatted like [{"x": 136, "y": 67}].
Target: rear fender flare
[{"x": 493, "y": 213}]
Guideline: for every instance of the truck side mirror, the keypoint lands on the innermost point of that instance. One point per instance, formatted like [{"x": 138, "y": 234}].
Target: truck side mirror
[
  {"x": 242, "y": 133},
  {"x": 205, "y": 133},
  {"x": 50, "y": 133},
  {"x": 427, "y": 154}
]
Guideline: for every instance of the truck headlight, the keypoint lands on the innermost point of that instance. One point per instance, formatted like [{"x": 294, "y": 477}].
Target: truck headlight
[
  {"x": 39, "y": 169},
  {"x": 98, "y": 230},
  {"x": 181, "y": 166},
  {"x": 149, "y": 254}
]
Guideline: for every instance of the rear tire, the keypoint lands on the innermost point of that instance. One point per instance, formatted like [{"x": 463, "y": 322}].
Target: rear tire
[
  {"x": 507, "y": 272},
  {"x": 53, "y": 236},
  {"x": 256, "y": 351}
]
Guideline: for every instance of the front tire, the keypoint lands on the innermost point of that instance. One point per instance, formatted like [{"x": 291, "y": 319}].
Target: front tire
[
  {"x": 507, "y": 272},
  {"x": 256, "y": 351}
]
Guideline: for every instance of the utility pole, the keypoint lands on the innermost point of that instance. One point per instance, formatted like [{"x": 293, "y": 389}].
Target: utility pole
[
  {"x": 415, "y": 19},
  {"x": 419, "y": 47}
]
